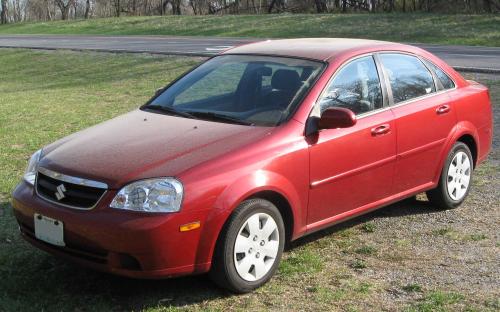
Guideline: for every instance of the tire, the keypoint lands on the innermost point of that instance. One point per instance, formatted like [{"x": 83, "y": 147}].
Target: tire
[
  {"x": 258, "y": 255},
  {"x": 455, "y": 180}
]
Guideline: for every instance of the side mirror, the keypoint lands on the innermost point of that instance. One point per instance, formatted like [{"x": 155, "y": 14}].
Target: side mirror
[{"x": 337, "y": 117}]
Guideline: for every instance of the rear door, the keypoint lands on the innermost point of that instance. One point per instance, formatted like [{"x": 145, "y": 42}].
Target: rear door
[
  {"x": 424, "y": 118},
  {"x": 352, "y": 167}
]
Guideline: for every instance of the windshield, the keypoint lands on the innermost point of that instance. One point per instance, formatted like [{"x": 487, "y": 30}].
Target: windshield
[{"x": 243, "y": 89}]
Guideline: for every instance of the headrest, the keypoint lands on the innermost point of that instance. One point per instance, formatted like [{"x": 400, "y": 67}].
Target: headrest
[{"x": 286, "y": 79}]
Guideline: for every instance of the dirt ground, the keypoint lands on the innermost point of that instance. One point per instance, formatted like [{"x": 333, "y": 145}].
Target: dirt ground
[{"x": 419, "y": 249}]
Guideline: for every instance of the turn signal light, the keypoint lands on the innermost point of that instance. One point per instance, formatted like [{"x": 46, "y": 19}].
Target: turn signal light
[{"x": 190, "y": 226}]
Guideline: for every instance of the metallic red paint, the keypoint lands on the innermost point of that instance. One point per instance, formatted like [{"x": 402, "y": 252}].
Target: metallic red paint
[
  {"x": 328, "y": 177},
  {"x": 337, "y": 117}
]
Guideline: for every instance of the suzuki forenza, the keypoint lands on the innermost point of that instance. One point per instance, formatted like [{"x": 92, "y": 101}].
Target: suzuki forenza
[{"x": 254, "y": 148}]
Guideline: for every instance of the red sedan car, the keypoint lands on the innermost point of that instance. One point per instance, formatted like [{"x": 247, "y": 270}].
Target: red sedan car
[{"x": 254, "y": 148}]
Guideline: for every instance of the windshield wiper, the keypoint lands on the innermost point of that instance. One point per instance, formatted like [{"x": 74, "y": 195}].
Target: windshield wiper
[
  {"x": 169, "y": 110},
  {"x": 220, "y": 117}
]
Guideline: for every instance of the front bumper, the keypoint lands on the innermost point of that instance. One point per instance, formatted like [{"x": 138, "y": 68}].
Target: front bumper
[{"x": 127, "y": 243}]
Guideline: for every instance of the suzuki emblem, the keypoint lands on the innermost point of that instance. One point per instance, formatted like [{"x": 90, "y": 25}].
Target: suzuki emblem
[{"x": 60, "y": 192}]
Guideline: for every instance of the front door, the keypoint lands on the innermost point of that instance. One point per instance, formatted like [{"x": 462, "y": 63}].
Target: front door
[{"x": 352, "y": 168}]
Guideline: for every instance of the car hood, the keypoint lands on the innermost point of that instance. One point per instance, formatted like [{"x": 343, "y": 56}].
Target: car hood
[{"x": 141, "y": 145}]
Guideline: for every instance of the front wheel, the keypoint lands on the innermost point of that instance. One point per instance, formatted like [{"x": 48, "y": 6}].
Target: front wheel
[
  {"x": 250, "y": 246},
  {"x": 456, "y": 177}
]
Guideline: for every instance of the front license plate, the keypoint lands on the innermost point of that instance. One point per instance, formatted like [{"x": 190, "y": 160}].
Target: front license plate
[{"x": 49, "y": 230}]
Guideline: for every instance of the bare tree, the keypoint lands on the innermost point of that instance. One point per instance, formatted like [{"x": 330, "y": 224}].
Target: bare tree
[
  {"x": 196, "y": 6},
  {"x": 64, "y": 7},
  {"x": 3, "y": 14},
  {"x": 176, "y": 7},
  {"x": 487, "y": 6},
  {"x": 48, "y": 9},
  {"x": 43, "y": 10},
  {"x": 320, "y": 6},
  {"x": 118, "y": 7},
  {"x": 87, "y": 9},
  {"x": 278, "y": 4}
]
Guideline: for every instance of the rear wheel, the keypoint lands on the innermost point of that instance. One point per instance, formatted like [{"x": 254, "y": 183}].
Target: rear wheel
[
  {"x": 250, "y": 246},
  {"x": 456, "y": 177}
]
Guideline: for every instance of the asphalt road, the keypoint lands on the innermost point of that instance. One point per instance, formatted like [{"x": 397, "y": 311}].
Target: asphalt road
[{"x": 483, "y": 59}]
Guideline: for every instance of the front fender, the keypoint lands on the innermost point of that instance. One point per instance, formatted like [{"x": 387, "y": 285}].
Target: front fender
[
  {"x": 243, "y": 188},
  {"x": 260, "y": 180}
]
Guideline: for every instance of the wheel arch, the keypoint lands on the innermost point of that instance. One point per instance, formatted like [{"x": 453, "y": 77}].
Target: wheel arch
[
  {"x": 283, "y": 205},
  {"x": 273, "y": 196},
  {"x": 469, "y": 140},
  {"x": 278, "y": 199},
  {"x": 277, "y": 189},
  {"x": 464, "y": 132}
]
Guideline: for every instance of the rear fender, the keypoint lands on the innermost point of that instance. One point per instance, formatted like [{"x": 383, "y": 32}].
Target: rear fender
[{"x": 462, "y": 128}]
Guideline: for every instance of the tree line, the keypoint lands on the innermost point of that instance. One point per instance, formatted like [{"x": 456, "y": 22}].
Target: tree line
[{"x": 12, "y": 11}]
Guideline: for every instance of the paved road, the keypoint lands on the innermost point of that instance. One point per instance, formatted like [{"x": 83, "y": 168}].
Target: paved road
[{"x": 461, "y": 57}]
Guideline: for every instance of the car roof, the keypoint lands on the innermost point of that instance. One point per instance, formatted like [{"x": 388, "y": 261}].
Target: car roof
[{"x": 320, "y": 49}]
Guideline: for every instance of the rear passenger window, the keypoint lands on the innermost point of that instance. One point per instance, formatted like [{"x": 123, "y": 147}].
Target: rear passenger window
[
  {"x": 408, "y": 76},
  {"x": 446, "y": 81}
]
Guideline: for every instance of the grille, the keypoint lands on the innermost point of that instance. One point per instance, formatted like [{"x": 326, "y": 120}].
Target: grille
[{"x": 66, "y": 193}]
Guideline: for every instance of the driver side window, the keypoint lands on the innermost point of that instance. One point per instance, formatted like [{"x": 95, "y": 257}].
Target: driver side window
[{"x": 356, "y": 87}]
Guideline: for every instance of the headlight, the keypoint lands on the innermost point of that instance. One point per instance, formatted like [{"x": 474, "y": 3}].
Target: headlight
[
  {"x": 152, "y": 195},
  {"x": 30, "y": 173}
]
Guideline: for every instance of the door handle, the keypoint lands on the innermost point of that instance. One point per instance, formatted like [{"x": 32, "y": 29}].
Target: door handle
[
  {"x": 443, "y": 109},
  {"x": 380, "y": 130}
]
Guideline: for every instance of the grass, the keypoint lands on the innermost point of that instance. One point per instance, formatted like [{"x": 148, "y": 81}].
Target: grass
[
  {"x": 303, "y": 262},
  {"x": 424, "y": 28},
  {"x": 366, "y": 250},
  {"x": 358, "y": 264},
  {"x": 477, "y": 237},
  {"x": 71, "y": 91},
  {"x": 494, "y": 304},
  {"x": 369, "y": 227},
  {"x": 453, "y": 234},
  {"x": 329, "y": 294},
  {"x": 437, "y": 301},
  {"x": 325, "y": 294},
  {"x": 47, "y": 95},
  {"x": 412, "y": 288},
  {"x": 443, "y": 231}
]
